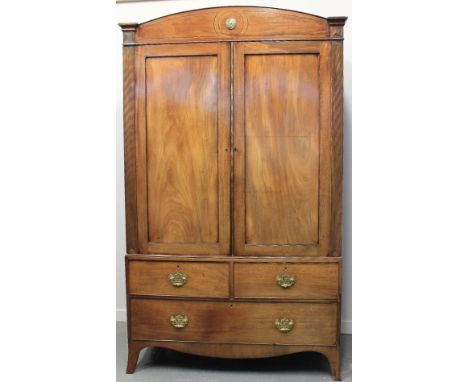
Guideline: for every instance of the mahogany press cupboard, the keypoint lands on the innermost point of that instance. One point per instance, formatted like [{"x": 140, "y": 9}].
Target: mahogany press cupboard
[{"x": 233, "y": 120}]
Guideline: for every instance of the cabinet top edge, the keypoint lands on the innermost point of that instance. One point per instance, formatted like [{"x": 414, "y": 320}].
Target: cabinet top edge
[
  {"x": 337, "y": 20},
  {"x": 253, "y": 7},
  {"x": 209, "y": 23}
]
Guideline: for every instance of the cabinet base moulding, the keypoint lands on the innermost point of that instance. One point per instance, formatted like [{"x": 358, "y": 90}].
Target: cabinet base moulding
[{"x": 235, "y": 351}]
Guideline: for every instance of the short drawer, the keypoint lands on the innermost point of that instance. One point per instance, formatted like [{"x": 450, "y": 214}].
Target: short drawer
[
  {"x": 186, "y": 279},
  {"x": 239, "y": 322},
  {"x": 299, "y": 281}
]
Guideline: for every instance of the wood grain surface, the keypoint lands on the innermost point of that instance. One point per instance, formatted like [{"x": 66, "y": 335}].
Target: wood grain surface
[
  {"x": 337, "y": 145},
  {"x": 282, "y": 173},
  {"x": 203, "y": 279},
  {"x": 182, "y": 149},
  {"x": 239, "y": 322},
  {"x": 129, "y": 140},
  {"x": 312, "y": 281},
  {"x": 183, "y": 141},
  {"x": 253, "y": 23},
  {"x": 247, "y": 122},
  {"x": 281, "y": 153}
]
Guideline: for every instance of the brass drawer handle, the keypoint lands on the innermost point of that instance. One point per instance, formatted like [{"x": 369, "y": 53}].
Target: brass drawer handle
[
  {"x": 284, "y": 325},
  {"x": 179, "y": 321},
  {"x": 178, "y": 279},
  {"x": 285, "y": 280}
]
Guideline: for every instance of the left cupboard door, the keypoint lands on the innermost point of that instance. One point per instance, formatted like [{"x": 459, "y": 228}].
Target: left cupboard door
[{"x": 182, "y": 99}]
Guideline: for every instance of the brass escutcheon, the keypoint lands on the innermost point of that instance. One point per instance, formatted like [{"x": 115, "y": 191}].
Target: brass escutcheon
[
  {"x": 230, "y": 23},
  {"x": 284, "y": 324},
  {"x": 178, "y": 279},
  {"x": 179, "y": 321},
  {"x": 285, "y": 280}
]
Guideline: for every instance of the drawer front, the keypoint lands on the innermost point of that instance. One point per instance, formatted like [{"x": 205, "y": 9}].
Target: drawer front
[
  {"x": 164, "y": 278},
  {"x": 241, "y": 322},
  {"x": 308, "y": 281}
]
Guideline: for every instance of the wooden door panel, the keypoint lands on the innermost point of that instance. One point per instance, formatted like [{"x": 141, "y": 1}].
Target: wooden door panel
[
  {"x": 282, "y": 164},
  {"x": 182, "y": 171},
  {"x": 281, "y": 153},
  {"x": 183, "y": 130}
]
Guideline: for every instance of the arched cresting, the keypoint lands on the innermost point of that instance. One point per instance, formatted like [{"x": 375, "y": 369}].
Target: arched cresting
[{"x": 235, "y": 24}]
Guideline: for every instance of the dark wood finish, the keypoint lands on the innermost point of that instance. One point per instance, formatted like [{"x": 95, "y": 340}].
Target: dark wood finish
[
  {"x": 234, "y": 146},
  {"x": 129, "y": 139},
  {"x": 134, "y": 349},
  {"x": 203, "y": 279},
  {"x": 239, "y": 322},
  {"x": 182, "y": 135},
  {"x": 282, "y": 144},
  {"x": 312, "y": 281}
]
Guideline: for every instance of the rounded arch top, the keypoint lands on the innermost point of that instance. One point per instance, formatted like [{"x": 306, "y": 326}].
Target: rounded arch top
[{"x": 234, "y": 23}]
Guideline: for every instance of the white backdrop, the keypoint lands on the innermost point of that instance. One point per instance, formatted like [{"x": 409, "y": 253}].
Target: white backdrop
[{"x": 147, "y": 10}]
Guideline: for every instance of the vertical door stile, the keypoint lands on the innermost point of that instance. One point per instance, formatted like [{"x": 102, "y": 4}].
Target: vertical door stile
[
  {"x": 231, "y": 143},
  {"x": 238, "y": 148}
]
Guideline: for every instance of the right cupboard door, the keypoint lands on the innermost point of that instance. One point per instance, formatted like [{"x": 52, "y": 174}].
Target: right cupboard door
[{"x": 282, "y": 148}]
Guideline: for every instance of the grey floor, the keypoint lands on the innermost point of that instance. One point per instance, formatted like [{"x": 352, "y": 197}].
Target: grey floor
[{"x": 166, "y": 365}]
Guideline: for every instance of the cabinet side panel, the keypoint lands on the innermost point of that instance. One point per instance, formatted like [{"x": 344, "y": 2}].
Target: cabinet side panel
[
  {"x": 282, "y": 149},
  {"x": 337, "y": 146},
  {"x": 129, "y": 149},
  {"x": 182, "y": 149}
]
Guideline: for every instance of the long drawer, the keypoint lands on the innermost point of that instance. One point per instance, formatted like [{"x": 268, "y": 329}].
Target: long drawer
[
  {"x": 307, "y": 281},
  {"x": 239, "y": 322},
  {"x": 185, "y": 279}
]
